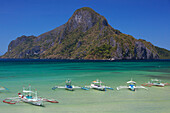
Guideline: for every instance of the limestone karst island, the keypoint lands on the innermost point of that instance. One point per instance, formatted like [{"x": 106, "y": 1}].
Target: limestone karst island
[{"x": 86, "y": 35}]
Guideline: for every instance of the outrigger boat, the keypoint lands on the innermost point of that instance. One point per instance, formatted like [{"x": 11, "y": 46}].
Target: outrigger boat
[
  {"x": 131, "y": 85},
  {"x": 3, "y": 88},
  {"x": 98, "y": 85},
  {"x": 155, "y": 82},
  {"x": 69, "y": 86},
  {"x": 28, "y": 97}
]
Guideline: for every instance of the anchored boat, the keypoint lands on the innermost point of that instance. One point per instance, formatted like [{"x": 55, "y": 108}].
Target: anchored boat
[
  {"x": 131, "y": 85},
  {"x": 155, "y": 82},
  {"x": 3, "y": 88},
  {"x": 30, "y": 97},
  {"x": 98, "y": 85},
  {"x": 69, "y": 86}
]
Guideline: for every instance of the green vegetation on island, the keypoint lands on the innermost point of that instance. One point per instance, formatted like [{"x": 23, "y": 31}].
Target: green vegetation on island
[{"x": 86, "y": 35}]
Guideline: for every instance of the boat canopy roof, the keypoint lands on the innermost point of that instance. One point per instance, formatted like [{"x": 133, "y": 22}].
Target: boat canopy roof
[
  {"x": 131, "y": 82},
  {"x": 27, "y": 91},
  {"x": 97, "y": 81},
  {"x": 155, "y": 80}
]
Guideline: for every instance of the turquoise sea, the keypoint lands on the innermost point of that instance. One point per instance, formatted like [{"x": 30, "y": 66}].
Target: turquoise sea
[{"x": 43, "y": 75}]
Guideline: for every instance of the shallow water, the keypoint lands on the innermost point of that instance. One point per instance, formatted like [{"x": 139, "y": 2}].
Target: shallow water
[{"x": 44, "y": 75}]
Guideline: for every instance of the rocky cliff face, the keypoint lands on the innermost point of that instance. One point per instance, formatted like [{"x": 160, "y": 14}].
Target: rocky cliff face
[{"x": 86, "y": 35}]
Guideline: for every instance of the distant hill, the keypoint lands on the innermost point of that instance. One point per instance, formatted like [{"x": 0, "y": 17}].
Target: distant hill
[
  {"x": 86, "y": 35},
  {"x": 163, "y": 53}
]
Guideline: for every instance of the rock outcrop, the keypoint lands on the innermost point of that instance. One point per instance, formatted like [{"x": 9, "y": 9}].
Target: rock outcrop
[{"x": 86, "y": 35}]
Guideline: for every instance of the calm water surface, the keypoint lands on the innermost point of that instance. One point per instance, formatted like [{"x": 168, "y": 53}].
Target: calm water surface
[{"x": 44, "y": 75}]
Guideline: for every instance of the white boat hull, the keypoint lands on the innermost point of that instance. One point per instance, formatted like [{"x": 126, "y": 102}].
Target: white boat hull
[{"x": 33, "y": 102}]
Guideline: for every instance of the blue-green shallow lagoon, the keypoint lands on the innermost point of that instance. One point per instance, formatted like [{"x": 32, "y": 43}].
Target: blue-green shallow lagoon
[{"x": 44, "y": 75}]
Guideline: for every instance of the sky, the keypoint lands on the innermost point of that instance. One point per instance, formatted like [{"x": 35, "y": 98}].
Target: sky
[{"x": 143, "y": 19}]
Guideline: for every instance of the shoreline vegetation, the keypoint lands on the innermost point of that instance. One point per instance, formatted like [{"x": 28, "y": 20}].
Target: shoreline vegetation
[{"x": 81, "y": 60}]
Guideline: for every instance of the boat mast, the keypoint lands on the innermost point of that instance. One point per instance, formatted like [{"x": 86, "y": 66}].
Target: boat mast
[
  {"x": 29, "y": 90},
  {"x": 36, "y": 94},
  {"x": 23, "y": 90}
]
